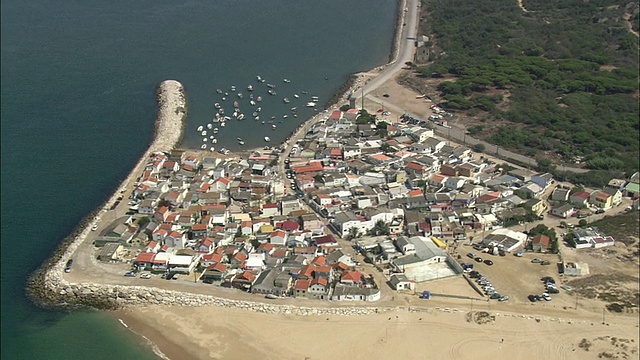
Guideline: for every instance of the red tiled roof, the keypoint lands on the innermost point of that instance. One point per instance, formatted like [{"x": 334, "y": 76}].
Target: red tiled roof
[
  {"x": 541, "y": 239},
  {"x": 145, "y": 257},
  {"x": 314, "y": 166},
  {"x": 199, "y": 227},
  {"x": 416, "y": 192},
  {"x": 302, "y": 284},
  {"x": 354, "y": 276},
  {"x": 319, "y": 280},
  {"x": 288, "y": 225},
  {"x": 327, "y": 239},
  {"x": 319, "y": 260},
  {"x": 220, "y": 267}
]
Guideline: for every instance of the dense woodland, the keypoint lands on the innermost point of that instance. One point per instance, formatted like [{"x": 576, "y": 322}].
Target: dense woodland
[{"x": 564, "y": 74}]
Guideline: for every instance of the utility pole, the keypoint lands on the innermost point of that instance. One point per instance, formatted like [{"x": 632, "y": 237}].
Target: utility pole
[
  {"x": 603, "y": 317},
  {"x": 362, "y": 95}
]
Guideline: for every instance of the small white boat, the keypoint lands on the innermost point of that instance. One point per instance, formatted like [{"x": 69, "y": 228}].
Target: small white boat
[
  {"x": 225, "y": 94},
  {"x": 259, "y": 99},
  {"x": 221, "y": 111},
  {"x": 233, "y": 88},
  {"x": 271, "y": 86},
  {"x": 258, "y": 78},
  {"x": 200, "y": 128},
  {"x": 239, "y": 139},
  {"x": 249, "y": 87},
  {"x": 235, "y": 114},
  {"x": 212, "y": 149},
  {"x": 204, "y": 133},
  {"x": 241, "y": 142},
  {"x": 219, "y": 91},
  {"x": 204, "y": 146},
  {"x": 257, "y": 118},
  {"x": 240, "y": 95},
  {"x": 255, "y": 113},
  {"x": 223, "y": 124},
  {"x": 224, "y": 98},
  {"x": 273, "y": 126},
  {"x": 311, "y": 104},
  {"x": 271, "y": 92},
  {"x": 285, "y": 116},
  {"x": 253, "y": 103},
  {"x": 205, "y": 139},
  {"x": 227, "y": 118},
  {"x": 295, "y": 115},
  {"x": 214, "y": 140},
  {"x": 267, "y": 139},
  {"x": 216, "y": 105},
  {"x": 286, "y": 100},
  {"x": 259, "y": 109},
  {"x": 251, "y": 96},
  {"x": 209, "y": 126},
  {"x": 314, "y": 98},
  {"x": 296, "y": 96},
  {"x": 241, "y": 116},
  {"x": 294, "y": 108},
  {"x": 262, "y": 122},
  {"x": 211, "y": 137},
  {"x": 215, "y": 130},
  {"x": 286, "y": 80}
]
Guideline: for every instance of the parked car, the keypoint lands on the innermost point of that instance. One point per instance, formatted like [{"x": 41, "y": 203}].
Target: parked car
[
  {"x": 471, "y": 255},
  {"x": 532, "y": 298},
  {"x": 548, "y": 279},
  {"x": 130, "y": 274},
  {"x": 488, "y": 262},
  {"x": 145, "y": 276},
  {"x": 94, "y": 227},
  {"x": 600, "y": 211},
  {"x": 552, "y": 290},
  {"x": 495, "y": 296},
  {"x": 536, "y": 260},
  {"x": 478, "y": 259},
  {"x": 504, "y": 298},
  {"x": 545, "y": 263},
  {"x": 546, "y": 297}
]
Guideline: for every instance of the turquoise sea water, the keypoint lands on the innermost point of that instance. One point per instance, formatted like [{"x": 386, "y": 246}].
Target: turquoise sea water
[{"x": 78, "y": 105}]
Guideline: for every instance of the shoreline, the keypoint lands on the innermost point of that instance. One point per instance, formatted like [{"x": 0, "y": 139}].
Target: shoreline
[{"x": 45, "y": 286}]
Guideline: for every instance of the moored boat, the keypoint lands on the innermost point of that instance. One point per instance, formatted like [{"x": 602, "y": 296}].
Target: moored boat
[
  {"x": 200, "y": 128},
  {"x": 286, "y": 100},
  {"x": 271, "y": 92},
  {"x": 259, "y": 98},
  {"x": 311, "y": 104},
  {"x": 209, "y": 126},
  {"x": 271, "y": 86},
  {"x": 249, "y": 87},
  {"x": 267, "y": 139},
  {"x": 286, "y": 80}
]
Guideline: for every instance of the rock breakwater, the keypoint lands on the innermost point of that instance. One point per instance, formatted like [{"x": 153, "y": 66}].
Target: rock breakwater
[{"x": 46, "y": 286}]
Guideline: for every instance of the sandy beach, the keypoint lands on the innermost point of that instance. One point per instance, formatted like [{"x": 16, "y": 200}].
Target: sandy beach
[{"x": 218, "y": 333}]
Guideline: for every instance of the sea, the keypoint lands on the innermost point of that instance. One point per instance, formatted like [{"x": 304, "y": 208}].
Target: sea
[{"x": 78, "y": 106}]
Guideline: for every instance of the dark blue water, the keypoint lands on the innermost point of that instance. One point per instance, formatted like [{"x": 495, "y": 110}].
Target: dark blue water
[{"x": 78, "y": 105}]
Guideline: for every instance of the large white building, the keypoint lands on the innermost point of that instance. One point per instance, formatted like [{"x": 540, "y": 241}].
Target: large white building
[{"x": 506, "y": 239}]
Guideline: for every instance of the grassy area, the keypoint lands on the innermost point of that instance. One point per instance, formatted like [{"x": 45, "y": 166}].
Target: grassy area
[{"x": 623, "y": 228}]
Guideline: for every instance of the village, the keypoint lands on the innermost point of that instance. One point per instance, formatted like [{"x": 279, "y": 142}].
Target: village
[{"x": 356, "y": 207}]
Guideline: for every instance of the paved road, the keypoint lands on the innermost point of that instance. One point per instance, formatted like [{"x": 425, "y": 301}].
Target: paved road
[
  {"x": 406, "y": 47},
  {"x": 459, "y": 135}
]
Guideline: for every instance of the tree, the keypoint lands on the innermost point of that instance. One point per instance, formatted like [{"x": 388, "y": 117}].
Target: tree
[
  {"x": 380, "y": 228},
  {"x": 479, "y": 147},
  {"x": 344, "y": 107},
  {"x": 352, "y": 233},
  {"x": 582, "y": 223}
]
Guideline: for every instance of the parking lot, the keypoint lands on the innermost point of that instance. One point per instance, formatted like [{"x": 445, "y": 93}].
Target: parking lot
[{"x": 516, "y": 276}]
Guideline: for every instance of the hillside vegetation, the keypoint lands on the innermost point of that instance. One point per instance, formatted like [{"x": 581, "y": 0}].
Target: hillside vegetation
[{"x": 562, "y": 75}]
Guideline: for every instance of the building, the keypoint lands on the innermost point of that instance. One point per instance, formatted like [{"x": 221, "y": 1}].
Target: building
[
  {"x": 427, "y": 263},
  {"x": 401, "y": 282},
  {"x": 540, "y": 243},
  {"x": 563, "y": 211},
  {"x": 575, "y": 269},
  {"x": 111, "y": 251},
  {"x": 506, "y": 239},
  {"x": 345, "y": 292}
]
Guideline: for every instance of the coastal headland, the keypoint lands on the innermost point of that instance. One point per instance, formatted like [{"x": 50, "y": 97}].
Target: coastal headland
[
  {"x": 46, "y": 286},
  {"x": 189, "y": 325}
]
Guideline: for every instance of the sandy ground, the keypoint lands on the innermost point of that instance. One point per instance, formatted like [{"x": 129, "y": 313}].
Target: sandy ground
[{"x": 218, "y": 333}]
